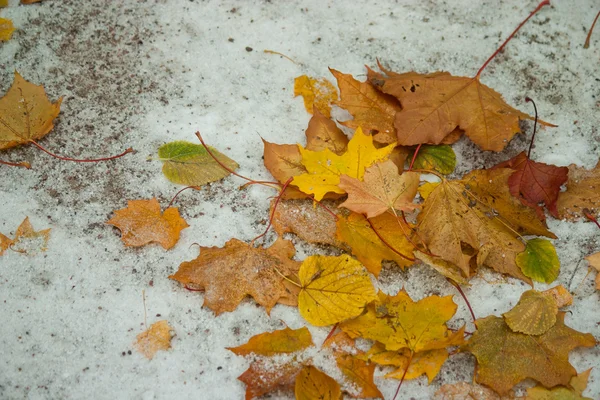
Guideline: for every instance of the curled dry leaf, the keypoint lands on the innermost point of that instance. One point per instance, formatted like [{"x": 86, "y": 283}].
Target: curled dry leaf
[
  {"x": 26, "y": 114},
  {"x": 334, "y": 289},
  {"x": 229, "y": 274},
  {"x": 534, "y": 314},
  {"x": 364, "y": 238},
  {"x": 6, "y": 29},
  {"x": 157, "y": 337},
  {"x": 325, "y": 167},
  {"x": 381, "y": 189},
  {"x": 26, "y": 240},
  {"x": 277, "y": 342},
  {"x": 583, "y": 192},
  {"x": 372, "y": 110},
  {"x": 535, "y": 182},
  {"x": 434, "y": 105},
  {"x": 505, "y": 358},
  {"x": 313, "y": 384},
  {"x": 317, "y": 92},
  {"x": 190, "y": 164},
  {"x": 142, "y": 222}
]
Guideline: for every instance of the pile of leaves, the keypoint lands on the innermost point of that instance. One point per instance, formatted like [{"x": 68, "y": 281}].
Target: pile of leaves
[{"x": 365, "y": 186}]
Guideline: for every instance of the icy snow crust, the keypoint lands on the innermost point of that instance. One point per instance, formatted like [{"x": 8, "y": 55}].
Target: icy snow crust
[{"x": 143, "y": 73}]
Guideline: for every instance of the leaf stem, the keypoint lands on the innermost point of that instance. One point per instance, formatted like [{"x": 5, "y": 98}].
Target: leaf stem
[
  {"x": 457, "y": 286},
  {"x": 542, "y": 4},
  {"x": 277, "y": 200},
  {"x": 414, "y": 156},
  {"x": 389, "y": 245},
  {"x": 39, "y": 146},
  {"x": 22, "y": 164},
  {"x": 589, "y": 35},
  {"x": 179, "y": 192},
  {"x": 527, "y": 99},
  {"x": 589, "y": 216},
  {"x": 403, "y": 375}
]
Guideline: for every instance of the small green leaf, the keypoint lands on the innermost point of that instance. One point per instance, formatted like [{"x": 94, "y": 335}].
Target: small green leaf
[
  {"x": 440, "y": 158},
  {"x": 539, "y": 261},
  {"x": 190, "y": 164}
]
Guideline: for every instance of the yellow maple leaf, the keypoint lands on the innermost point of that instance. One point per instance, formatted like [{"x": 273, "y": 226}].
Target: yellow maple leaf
[
  {"x": 325, "y": 167},
  {"x": 277, "y": 342},
  {"x": 317, "y": 93},
  {"x": 157, "y": 337},
  {"x": 334, "y": 289}
]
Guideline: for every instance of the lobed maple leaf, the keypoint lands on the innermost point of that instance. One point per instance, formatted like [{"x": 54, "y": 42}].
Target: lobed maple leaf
[
  {"x": 583, "y": 188},
  {"x": 156, "y": 338},
  {"x": 142, "y": 222},
  {"x": 334, "y": 289},
  {"x": 577, "y": 385},
  {"x": 23, "y": 236},
  {"x": 325, "y": 167},
  {"x": 505, "y": 358},
  {"x": 26, "y": 114},
  {"x": 381, "y": 189},
  {"x": 372, "y": 110},
  {"x": 318, "y": 93},
  {"x": 231, "y": 273},
  {"x": 535, "y": 182}
]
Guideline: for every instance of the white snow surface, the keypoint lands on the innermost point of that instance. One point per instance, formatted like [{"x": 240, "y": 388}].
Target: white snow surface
[{"x": 142, "y": 73}]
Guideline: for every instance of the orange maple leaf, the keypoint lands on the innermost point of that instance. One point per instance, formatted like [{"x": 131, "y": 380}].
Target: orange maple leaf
[
  {"x": 231, "y": 273},
  {"x": 142, "y": 223},
  {"x": 156, "y": 338},
  {"x": 25, "y": 233}
]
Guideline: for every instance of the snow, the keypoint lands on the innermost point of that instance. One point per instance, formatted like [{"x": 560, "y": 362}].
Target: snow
[{"x": 141, "y": 73}]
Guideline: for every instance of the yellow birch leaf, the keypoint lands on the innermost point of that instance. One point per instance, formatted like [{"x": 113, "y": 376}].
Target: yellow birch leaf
[
  {"x": 6, "y": 29},
  {"x": 534, "y": 314},
  {"x": 539, "y": 261},
  {"x": 325, "y": 167},
  {"x": 156, "y": 338},
  {"x": 319, "y": 93},
  {"x": 312, "y": 384},
  {"x": 334, "y": 289},
  {"x": 277, "y": 342}
]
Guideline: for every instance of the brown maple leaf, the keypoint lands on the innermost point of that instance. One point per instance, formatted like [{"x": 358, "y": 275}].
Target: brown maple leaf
[
  {"x": 229, "y": 274},
  {"x": 535, "y": 182},
  {"x": 381, "y": 189},
  {"x": 583, "y": 192},
  {"x": 26, "y": 114},
  {"x": 505, "y": 358},
  {"x": 142, "y": 222}
]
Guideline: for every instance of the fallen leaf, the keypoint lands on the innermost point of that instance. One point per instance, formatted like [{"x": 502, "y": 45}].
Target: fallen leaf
[
  {"x": 322, "y": 133},
  {"x": 3, "y": 3},
  {"x": 534, "y": 314},
  {"x": 434, "y": 105},
  {"x": 156, "y": 338},
  {"x": 582, "y": 191},
  {"x": 539, "y": 261},
  {"x": 264, "y": 376},
  {"x": 325, "y": 167},
  {"x": 5, "y": 243},
  {"x": 399, "y": 322},
  {"x": 318, "y": 93},
  {"x": 561, "y": 296},
  {"x": 594, "y": 261},
  {"x": 360, "y": 237},
  {"x": 440, "y": 158},
  {"x": 505, "y": 358},
  {"x": 190, "y": 164},
  {"x": 467, "y": 391},
  {"x": 231, "y": 273},
  {"x": 277, "y": 342},
  {"x": 283, "y": 160},
  {"x": 354, "y": 367},
  {"x": 535, "y": 182},
  {"x": 381, "y": 189},
  {"x": 26, "y": 240},
  {"x": 142, "y": 222},
  {"x": 372, "y": 110},
  {"x": 334, "y": 289},
  {"x": 446, "y": 268},
  {"x": 26, "y": 114},
  {"x": 308, "y": 221},
  {"x": 6, "y": 29},
  {"x": 577, "y": 385},
  {"x": 312, "y": 384}
]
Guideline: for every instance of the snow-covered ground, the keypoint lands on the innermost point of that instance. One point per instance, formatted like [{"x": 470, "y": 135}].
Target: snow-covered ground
[{"x": 141, "y": 73}]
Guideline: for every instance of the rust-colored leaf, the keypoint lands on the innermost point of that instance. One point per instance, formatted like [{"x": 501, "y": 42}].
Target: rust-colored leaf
[
  {"x": 142, "y": 222},
  {"x": 26, "y": 114},
  {"x": 231, "y": 273},
  {"x": 535, "y": 182},
  {"x": 156, "y": 338},
  {"x": 372, "y": 110},
  {"x": 583, "y": 192},
  {"x": 264, "y": 376}
]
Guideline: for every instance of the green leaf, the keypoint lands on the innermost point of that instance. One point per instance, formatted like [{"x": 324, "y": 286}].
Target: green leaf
[
  {"x": 190, "y": 164},
  {"x": 539, "y": 261},
  {"x": 440, "y": 158}
]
